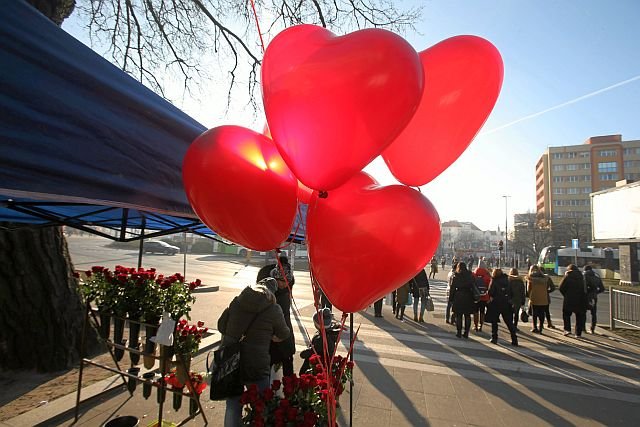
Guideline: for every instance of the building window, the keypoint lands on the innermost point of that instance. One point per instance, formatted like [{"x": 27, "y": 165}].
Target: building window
[
  {"x": 608, "y": 177},
  {"x": 586, "y": 166},
  {"x": 586, "y": 178},
  {"x": 608, "y": 153},
  {"x": 572, "y": 167},
  {"x": 557, "y": 156},
  {"x": 558, "y": 168},
  {"x": 586, "y": 190},
  {"x": 585, "y": 154},
  {"x": 627, "y": 151},
  {"x": 557, "y": 203},
  {"x": 572, "y": 178},
  {"x": 572, "y": 190},
  {"x": 638, "y": 150},
  {"x": 558, "y": 191},
  {"x": 631, "y": 163},
  {"x": 607, "y": 167},
  {"x": 571, "y": 155}
]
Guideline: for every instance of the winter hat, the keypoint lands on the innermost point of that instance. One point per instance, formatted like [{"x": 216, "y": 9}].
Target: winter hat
[
  {"x": 269, "y": 283},
  {"x": 326, "y": 316}
]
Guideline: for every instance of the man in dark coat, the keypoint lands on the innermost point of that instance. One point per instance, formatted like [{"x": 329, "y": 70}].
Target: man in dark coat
[
  {"x": 573, "y": 288},
  {"x": 420, "y": 291},
  {"x": 500, "y": 300},
  {"x": 594, "y": 287}
]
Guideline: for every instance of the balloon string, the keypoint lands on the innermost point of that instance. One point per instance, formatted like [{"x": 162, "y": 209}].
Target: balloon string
[{"x": 255, "y": 14}]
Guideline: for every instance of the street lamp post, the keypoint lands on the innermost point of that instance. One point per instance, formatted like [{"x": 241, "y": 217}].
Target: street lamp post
[{"x": 506, "y": 235}]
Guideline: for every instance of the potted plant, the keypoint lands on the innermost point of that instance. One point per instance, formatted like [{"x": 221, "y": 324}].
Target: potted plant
[{"x": 186, "y": 342}]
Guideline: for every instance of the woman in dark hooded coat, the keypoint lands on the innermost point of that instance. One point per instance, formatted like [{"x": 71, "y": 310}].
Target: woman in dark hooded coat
[
  {"x": 461, "y": 298},
  {"x": 573, "y": 288}
]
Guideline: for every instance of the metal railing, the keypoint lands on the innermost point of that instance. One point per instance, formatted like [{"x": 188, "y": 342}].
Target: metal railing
[{"x": 624, "y": 308}]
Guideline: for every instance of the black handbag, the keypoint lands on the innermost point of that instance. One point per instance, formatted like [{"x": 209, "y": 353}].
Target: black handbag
[
  {"x": 524, "y": 316},
  {"x": 226, "y": 378}
]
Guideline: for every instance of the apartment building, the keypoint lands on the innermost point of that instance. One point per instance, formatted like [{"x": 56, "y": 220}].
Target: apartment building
[{"x": 566, "y": 175}]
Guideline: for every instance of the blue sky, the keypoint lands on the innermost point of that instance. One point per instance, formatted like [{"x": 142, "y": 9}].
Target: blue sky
[{"x": 554, "y": 52}]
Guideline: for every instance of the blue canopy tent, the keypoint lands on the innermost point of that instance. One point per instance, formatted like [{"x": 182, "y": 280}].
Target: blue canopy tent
[{"x": 82, "y": 143}]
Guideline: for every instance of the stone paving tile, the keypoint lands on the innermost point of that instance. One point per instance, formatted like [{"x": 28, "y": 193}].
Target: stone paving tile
[
  {"x": 410, "y": 379},
  {"x": 437, "y": 384},
  {"x": 444, "y": 407},
  {"x": 480, "y": 413},
  {"x": 437, "y": 422},
  {"x": 372, "y": 417},
  {"x": 467, "y": 390},
  {"x": 412, "y": 409},
  {"x": 371, "y": 397}
]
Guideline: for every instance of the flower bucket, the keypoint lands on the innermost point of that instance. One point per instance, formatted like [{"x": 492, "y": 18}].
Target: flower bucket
[
  {"x": 183, "y": 366},
  {"x": 134, "y": 337},
  {"x": 193, "y": 406},
  {"x": 126, "y": 421},
  {"x": 177, "y": 400},
  {"x": 105, "y": 324},
  {"x": 146, "y": 387},
  {"x": 132, "y": 382},
  {"x": 118, "y": 332}
]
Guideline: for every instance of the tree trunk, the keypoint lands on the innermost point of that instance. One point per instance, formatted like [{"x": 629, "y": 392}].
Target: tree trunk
[{"x": 42, "y": 313}]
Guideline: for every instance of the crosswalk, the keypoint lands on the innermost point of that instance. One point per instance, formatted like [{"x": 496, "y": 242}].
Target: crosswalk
[{"x": 592, "y": 367}]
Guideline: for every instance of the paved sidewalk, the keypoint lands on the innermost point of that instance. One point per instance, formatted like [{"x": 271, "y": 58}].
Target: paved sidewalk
[{"x": 410, "y": 374}]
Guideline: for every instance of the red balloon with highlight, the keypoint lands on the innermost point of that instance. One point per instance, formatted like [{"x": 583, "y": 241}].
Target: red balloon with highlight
[
  {"x": 365, "y": 240},
  {"x": 333, "y": 103},
  {"x": 463, "y": 76},
  {"x": 239, "y": 186}
]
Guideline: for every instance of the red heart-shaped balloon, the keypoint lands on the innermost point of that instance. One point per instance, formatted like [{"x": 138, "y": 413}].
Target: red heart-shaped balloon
[
  {"x": 463, "y": 77},
  {"x": 239, "y": 186},
  {"x": 334, "y": 103},
  {"x": 365, "y": 240}
]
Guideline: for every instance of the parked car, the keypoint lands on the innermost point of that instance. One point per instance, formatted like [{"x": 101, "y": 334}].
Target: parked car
[{"x": 160, "y": 247}]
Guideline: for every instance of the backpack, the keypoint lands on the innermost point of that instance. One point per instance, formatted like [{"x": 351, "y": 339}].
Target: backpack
[{"x": 482, "y": 288}]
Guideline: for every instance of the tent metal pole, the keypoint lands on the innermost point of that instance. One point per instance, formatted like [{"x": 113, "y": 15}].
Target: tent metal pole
[
  {"x": 184, "y": 260},
  {"x": 351, "y": 358},
  {"x": 141, "y": 247}
]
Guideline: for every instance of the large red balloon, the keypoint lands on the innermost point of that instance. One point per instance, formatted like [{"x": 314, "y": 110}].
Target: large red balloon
[
  {"x": 334, "y": 103},
  {"x": 463, "y": 77},
  {"x": 240, "y": 187},
  {"x": 365, "y": 240}
]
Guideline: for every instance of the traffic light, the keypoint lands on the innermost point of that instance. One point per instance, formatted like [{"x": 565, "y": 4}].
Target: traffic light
[{"x": 500, "y": 245}]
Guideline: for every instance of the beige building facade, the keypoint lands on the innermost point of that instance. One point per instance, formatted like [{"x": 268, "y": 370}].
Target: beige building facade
[{"x": 566, "y": 175}]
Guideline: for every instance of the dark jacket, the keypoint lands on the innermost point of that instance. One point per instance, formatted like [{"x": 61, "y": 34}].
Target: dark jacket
[
  {"x": 461, "y": 293},
  {"x": 402, "y": 294},
  {"x": 420, "y": 281},
  {"x": 518, "y": 291},
  {"x": 573, "y": 289},
  {"x": 283, "y": 350},
  {"x": 318, "y": 345},
  {"x": 269, "y": 322},
  {"x": 500, "y": 297},
  {"x": 594, "y": 285}
]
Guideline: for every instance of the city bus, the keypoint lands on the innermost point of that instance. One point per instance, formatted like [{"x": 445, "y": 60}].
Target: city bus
[{"x": 554, "y": 260}]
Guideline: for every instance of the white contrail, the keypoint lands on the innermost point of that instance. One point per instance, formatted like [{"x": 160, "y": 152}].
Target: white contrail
[{"x": 564, "y": 104}]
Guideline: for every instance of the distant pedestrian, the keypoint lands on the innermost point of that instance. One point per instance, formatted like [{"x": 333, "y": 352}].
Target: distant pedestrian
[
  {"x": 377, "y": 308},
  {"x": 594, "y": 287},
  {"x": 482, "y": 280},
  {"x": 449, "y": 318},
  {"x": 402, "y": 298},
  {"x": 573, "y": 288},
  {"x": 461, "y": 296},
  {"x": 500, "y": 296},
  {"x": 420, "y": 291},
  {"x": 433, "y": 269},
  {"x": 443, "y": 261},
  {"x": 519, "y": 295},
  {"x": 528, "y": 261},
  {"x": 551, "y": 287},
  {"x": 538, "y": 297}
]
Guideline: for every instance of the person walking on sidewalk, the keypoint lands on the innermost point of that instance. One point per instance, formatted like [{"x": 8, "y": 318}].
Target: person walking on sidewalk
[
  {"x": 402, "y": 297},
  {"x": 482, "y": 279},
  {"x": 377, "y": 308},
  {"x": 573, "y": 288},
  {"x": 443, "y": 260},
  {"x": 594, "y": 287},
  {"x": 420, "y": 291},
  {"x": 519, "y": 295},
  {"x": 461, "y": 296},
  {"x": 433, "y": 269},
  {"x": 449, "y": 316},
  {"x": 538, "y": 297},
  {"x": 500, "y": 300}
]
